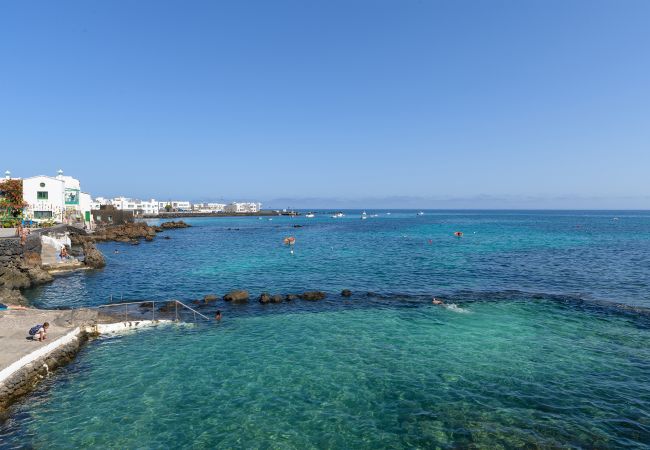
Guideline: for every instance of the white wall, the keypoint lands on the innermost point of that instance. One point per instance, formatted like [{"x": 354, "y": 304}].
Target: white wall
[{"x": 55, "y": 196}]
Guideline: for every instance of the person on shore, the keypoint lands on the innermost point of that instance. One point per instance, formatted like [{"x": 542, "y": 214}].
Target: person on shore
[
  {"x": 39, "y": 332},
  {"x": 4, "y": 307},
  {"x": 437, "y": 301},
  {"x": 64, "y": 253},
  {"x": 217, "y": 316}
]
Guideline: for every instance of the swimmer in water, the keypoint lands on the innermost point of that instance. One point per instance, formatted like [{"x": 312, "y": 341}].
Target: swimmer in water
[
  {"x": 217, "y": 316},
  {"x": 437, "y": 301}
]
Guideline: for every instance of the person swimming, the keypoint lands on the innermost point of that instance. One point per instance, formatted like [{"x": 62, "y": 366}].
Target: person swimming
[
  {"x": 437, "y": 301},
  {"x": 217, "y": 316}
]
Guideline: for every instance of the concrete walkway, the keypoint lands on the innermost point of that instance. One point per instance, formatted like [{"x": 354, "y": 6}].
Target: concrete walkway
[{"x": 14, "y": 331}]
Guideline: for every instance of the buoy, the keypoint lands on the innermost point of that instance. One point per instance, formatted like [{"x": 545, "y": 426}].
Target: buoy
[{"x": 458, "y": 233}]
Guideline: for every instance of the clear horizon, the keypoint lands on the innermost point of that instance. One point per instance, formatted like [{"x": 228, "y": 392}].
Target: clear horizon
[{"x": 419, "y": 105}]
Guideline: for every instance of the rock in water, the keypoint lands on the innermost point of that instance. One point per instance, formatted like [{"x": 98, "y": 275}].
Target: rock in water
[
  {"x": 210, "y": 298},
  {"x": 346, "y": 293},
  {"x": 236, "y": 296},
  {"x": 313, "y": 295},
  {"x": 265, "y": 298},
  {"x": 276, "y": 299},
  {"x": 93, "y": 257},
  {"x": 290, "y": 297}
]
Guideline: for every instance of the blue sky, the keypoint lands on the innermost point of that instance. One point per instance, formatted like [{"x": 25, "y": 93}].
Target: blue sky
[{"x": 333, "y": 103}]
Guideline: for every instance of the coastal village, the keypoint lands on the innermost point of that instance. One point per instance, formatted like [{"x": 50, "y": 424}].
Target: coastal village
[{"x": 44, "y": 200}]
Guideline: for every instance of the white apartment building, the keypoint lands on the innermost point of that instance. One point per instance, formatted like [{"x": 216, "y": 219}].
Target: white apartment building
[
  {"x": 176, "y": 205},
  {"x": 135, "y": 205},
  {"x": 243, "y": 207},
  {"x": 209, "y": 207},
  {"x": 56, "y": 198}
]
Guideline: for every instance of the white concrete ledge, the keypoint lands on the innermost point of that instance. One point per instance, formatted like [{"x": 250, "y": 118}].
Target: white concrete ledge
[{"x": 106, "y": 328}]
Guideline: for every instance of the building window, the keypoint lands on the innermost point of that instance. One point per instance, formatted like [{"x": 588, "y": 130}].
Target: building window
[
  {"x": 42, "y": 214},
  {"x": 42, "y": 184},
  {"x": 41, "y": 195}
]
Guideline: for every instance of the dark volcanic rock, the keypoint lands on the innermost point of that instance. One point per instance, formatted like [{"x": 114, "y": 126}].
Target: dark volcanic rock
[
  {"x": 236, "y": 296},
  {"x": 93, "y": 257},
  {"x": 210, "y": 298},
  {"x": 146, "y": 305},
  {"x": 39, "y": 276},
  {"x": 346, "y": 293},
  {"x": 12, "y": 297},
  {"x": 13, "y": 278},
  {"x": 168, "y": 306},
  {"x": 265, "y": 298},
  {"x": 313, "y": 295},
  {"x": 168, "y": 225}
]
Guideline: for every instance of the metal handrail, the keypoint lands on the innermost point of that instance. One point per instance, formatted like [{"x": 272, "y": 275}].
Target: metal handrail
[{"x": 153, "y": 308}]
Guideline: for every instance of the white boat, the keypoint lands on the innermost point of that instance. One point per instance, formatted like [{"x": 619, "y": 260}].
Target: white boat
[
  {"x": 420, "y": 213},
  {"x": 337, "y": 215},
  {"x": 310, "y": 215}
]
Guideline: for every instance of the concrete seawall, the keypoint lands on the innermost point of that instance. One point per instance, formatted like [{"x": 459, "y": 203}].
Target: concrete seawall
[{"x": 23, "y": 375}]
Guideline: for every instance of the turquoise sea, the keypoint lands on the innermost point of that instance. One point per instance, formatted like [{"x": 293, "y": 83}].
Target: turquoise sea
[{"x": 545, "y": 342}]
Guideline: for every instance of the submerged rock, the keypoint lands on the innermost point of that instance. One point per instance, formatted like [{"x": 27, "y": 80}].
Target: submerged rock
[
  {"x": 239, "y": 296},
  {"x": 313, "y": 295},
  {"x": 210, "y": 298},
  {"x": 276, "y": 299},
  {"x": 146, "y": 305},
  {"x": 290, "y": 297},
  {"x": 346, "y": 293}
]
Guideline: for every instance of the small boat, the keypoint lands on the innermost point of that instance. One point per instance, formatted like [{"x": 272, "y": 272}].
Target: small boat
[
  {"x": 337, "y": 215},
  {"x": 388, "y": 214},
  {"x": 364, "y": 215},
  {"x": 420, "y": 213},
  {"x": 310, "y": 215}
]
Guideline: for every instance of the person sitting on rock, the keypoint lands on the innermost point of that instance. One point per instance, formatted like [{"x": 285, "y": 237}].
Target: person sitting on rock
[
  {"x": 39, "y": 332},
  {"x": 64, "y": 253}
]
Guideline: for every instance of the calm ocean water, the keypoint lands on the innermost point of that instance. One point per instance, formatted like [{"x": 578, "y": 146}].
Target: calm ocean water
[{"x": 548, "y": 343}]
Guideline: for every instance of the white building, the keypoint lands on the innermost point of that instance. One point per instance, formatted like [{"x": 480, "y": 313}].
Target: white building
[
  {"x": 56, "y": 198},
  {"x": 245, "y": 207},
  {"x": 135, "y": 205},
  {"x": 208, "y": 207},
  {"x": 175, "y": 205}
]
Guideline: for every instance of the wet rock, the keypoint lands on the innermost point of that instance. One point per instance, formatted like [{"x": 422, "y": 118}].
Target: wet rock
[
  {"x": 39, "y": 276},
  {"x": 313, "y": 295},
  {"x": 135, "y": 242},
  {"x": 239, "y": 296},
  {"x": 276, "y": 299},
  {"x": 265, "y": 298},
  {"x": 290, "y": 297},
  {"x": 297, "y": 226},
  {"x": 166, "y": 237},
  {"x": 169, "y": 306},
  {"x": 210, "y": 298},
  {"x": 148, "y": 238},
  {"x": 346, "y": 293},
  {"x": 169, "y": 225},
  {"x": 146, "y": 305},
  {"x": 93, "y": 257}
]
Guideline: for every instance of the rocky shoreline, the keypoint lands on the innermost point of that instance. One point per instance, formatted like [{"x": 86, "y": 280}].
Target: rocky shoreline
[{"x": 22, "y": 267}]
